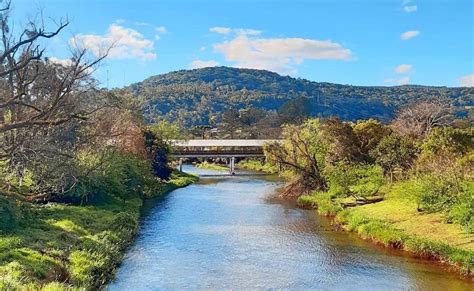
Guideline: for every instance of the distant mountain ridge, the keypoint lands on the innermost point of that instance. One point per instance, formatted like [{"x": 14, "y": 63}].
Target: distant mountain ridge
[{"x": 199, "y": 96}]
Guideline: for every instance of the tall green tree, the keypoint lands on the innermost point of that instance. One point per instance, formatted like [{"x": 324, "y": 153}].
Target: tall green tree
[
  {"x": 295, "y": 111},
  {"x": 395, "y": 152},
  {"x": 369, "y": 133}
]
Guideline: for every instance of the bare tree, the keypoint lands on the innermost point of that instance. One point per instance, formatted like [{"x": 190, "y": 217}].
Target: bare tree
[
  {"x": 417, "y": 120},
  {"x": 43, "y": 104}
]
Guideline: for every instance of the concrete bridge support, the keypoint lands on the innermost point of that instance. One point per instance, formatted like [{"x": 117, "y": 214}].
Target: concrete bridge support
[{"x": 232, "y": 166}]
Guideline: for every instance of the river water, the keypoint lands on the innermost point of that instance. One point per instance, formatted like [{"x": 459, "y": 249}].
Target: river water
[{"x": 228, "y": 233}]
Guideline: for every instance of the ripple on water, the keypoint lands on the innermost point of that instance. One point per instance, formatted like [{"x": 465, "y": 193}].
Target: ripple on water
[{"x": 222, "y": 233}]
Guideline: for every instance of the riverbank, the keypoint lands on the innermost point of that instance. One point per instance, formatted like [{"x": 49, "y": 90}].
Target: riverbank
[
  {"x": 57, "y": 246},
  {"x": 256, "y": 165},
  {"x": 211, "y": 166},
  {"x": 395, "y": 222}
]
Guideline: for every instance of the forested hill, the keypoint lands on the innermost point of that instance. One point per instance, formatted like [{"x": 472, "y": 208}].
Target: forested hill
[{"x": 200, "y": 96}]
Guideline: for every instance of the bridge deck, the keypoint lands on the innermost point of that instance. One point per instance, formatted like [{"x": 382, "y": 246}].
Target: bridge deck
[
  {"x": 217, "y": 153},
  {"x": 222, "y": 142}
]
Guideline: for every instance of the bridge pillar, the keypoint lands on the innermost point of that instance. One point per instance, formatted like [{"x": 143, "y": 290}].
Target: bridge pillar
[
  {"x": 232, "y": 166},
  {"x": 181, "y": 165}
]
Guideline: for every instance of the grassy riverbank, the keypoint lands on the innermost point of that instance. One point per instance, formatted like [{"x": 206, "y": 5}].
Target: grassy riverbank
[
  {"x": 256, "y": 165},
  {"x": 395, "y": 222},
  {"x": 212, "y": 166},
  {"x": 56, "y": 246}
]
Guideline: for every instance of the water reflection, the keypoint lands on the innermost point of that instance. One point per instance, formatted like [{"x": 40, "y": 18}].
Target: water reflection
[{"x": 224, "y": 233}]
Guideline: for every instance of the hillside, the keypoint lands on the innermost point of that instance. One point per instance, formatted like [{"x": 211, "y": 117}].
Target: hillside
[{"x": 201, "y": 95}]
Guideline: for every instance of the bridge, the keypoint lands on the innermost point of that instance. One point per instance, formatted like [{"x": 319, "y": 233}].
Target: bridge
[{"x": 219, "y": 148}]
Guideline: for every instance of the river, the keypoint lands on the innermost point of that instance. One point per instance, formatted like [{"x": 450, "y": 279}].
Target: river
[{"x": 228, "y": 233}]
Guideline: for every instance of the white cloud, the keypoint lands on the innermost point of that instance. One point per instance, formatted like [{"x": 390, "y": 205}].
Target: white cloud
[
  {"x": 203, "y": 48},
  {"x": 220, "y": 30},
  {"x": 410, "y": 8},
  {"x": 237, "y": 31},
  {"x": 160, "y": 30},
  {"x": 249, "y": 32},
  {"x": 403, "y": 68},
  {"x": 279, "y": 54},
  {"x": 125, "y": 43},
  {"x": 409, "y": 34},
  {"x": 141, "y": 23},
  {"x": 196, "y": 64},
  {"x": 399, "y": 81},
  {"x": 63, "y": 62},
  {"x": 467, "y": 81}
]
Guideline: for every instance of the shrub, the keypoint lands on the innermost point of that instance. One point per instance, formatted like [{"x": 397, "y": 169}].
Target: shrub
[
  {"x": 359, "y": 180},
  {"x": 120, "y": 176},
  {"x": 462, "y": 211},
  {"x": 435, "y": 193},
  {"x": 394, "y": 152}
]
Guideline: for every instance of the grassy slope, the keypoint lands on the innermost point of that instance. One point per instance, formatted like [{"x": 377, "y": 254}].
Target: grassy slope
[
  {"x": 403, "y": 215},
  {"x": 396, "y": 222},
  {"x": 78, "y": 245}
]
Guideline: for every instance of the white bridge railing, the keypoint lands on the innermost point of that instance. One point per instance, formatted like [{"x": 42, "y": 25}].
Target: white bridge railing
[
  {"x": 222, "y": 142},
  {"x": 222, "y": 148}
]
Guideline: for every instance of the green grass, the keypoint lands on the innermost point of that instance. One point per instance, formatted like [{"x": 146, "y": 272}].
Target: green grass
[
  {"x": 256, "y": 165},
  {"x": 320, "y": 201},
  {"x": 58, "y": 246},
  {"x": 211, "y": 166},
  {"x": 396, "y": 222},
  {"x": 389, "y": 234},
  {"x": 177, "y": 180}
]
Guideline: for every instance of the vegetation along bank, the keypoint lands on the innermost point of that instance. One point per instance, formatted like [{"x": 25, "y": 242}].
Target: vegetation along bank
[
  {"x": 407, "y": 184},
  {"x": 76, "y": 163}
]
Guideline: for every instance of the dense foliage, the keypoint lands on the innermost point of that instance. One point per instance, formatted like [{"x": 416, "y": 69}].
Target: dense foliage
[
  {"x": 76, "y": 162},
  {"x": 344, "y": 160},
  {"x": 201, "y": 96}
]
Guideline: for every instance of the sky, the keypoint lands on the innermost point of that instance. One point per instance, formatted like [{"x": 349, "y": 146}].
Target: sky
[{"x": 356, "y": 42}]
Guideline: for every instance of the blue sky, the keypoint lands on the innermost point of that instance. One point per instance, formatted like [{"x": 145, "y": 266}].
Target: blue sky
[{"x": 357, "y": 42}]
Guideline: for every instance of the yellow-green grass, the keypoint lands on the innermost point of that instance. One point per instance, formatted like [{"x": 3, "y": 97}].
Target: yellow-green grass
[
  {"x": 211, "y": 166},
  {"x": 396, "y": 222},
  {"x": 58, "y": 246},
  {"x": 256, "y": 165},
  {"x": 402, "y": 214}
]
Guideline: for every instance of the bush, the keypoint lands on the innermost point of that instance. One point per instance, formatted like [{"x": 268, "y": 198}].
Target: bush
[
  {"x": 394, "y": 152},
  {"x": 462, "y": 211},
  {"x": 435, "y": 193},
  {"x": 120, "y": 176},
  {"x": 358, "y": 180}
]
